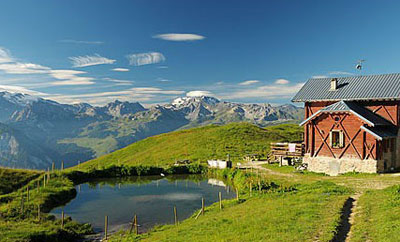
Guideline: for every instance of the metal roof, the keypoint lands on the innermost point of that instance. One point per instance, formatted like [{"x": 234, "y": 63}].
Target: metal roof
[
  {"x": 373, "y": 87},
  {"x": 345, "y": 106},
  {"x": 381, "y": 132}
]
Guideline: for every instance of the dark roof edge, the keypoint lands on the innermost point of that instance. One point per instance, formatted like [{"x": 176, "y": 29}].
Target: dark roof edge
[{"x": 345, "y": 99}]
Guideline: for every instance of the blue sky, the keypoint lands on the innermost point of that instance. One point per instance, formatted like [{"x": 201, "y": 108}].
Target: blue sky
[{"x": 154, "y": 51}]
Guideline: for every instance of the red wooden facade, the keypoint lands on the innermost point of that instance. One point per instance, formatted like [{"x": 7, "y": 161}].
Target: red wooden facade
[{"x": 357, "y": 142}]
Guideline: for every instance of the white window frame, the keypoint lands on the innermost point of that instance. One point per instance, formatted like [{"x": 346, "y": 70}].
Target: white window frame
[{"x": 341, "y": 139}]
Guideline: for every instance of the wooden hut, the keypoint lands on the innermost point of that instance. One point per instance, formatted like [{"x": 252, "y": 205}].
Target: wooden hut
[{"x": 351, "y": 123}]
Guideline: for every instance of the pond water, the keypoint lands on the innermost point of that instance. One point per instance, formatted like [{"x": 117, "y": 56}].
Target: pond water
[{"x": 151, "y": 198}]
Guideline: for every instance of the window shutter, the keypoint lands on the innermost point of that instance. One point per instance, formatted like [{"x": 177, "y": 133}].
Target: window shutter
[
  {"x": 341, "y": 140},
  {"x": 330, "y": 139}
]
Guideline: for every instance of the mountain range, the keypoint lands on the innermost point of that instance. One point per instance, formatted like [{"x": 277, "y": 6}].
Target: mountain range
[{"x": 34, "y": 132}]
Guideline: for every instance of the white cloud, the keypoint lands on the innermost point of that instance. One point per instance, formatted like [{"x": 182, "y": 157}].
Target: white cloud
[
  {"x": 19, "y": 89},
  {"x": 121, "y": 69},
  {"x": 72, "y": 41},
  {"x": 179, "y": 37},
  {"x": 69, "y": 78},
  {"x": 142, "y": 94},
  {"x": 5, "y": 56},
  {"x": 154, "y": 90},
  {"x": 65, "y": 74},
  {"x": 333, "y": 74},
  {"x": 74, "y": 81},
  {"x": 341, "y": 73},
  {"x": 265, "y": 92},
  {"x": 83, "y": 61},
  {"x": 249, "y": 82},
  {"x": 23, "y": 68},
  {"x": 141, "y": 59},
  {"x": 282, "y": 81},
  {"x": 119, "y": 82},
  {"x": 320, "y": 76},
  {"x": 164, "y": 80},
  {"x": 199, "y": 93},
  {"x": 9, "y": 65}
]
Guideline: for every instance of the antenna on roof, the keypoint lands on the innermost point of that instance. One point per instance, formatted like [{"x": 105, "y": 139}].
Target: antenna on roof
[{"x": 359, "y": 65}]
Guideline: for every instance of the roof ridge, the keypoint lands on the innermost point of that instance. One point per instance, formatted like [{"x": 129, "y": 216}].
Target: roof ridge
[{"x": 367, "y": 87}]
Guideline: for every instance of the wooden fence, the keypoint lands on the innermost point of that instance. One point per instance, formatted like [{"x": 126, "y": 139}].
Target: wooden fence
[{"x": 280, "y": 151}]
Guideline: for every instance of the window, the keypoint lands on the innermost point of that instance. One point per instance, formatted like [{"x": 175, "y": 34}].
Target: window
[{"x": 336, "y": 138}]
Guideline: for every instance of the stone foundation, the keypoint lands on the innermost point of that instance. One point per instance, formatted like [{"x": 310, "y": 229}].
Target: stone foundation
[{"x": 333, "y": 166}]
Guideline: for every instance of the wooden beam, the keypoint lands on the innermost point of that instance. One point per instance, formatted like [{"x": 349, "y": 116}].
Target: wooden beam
[
  {"x": 350, "y": 144},
  {"x": 388, "y": 113},
  {"x": 364, "y": 134},
  {"x": 324, "y": 141},
  {"x": 312, "y": 138}
]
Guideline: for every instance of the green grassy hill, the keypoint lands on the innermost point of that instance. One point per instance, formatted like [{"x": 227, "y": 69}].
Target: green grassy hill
[
  {"x": 13, "y": 179},
  {"x": 199, "y": 144}
]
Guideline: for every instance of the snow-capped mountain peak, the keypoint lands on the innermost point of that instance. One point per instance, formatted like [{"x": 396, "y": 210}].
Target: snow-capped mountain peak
[
  {"x": 185, "y": 101},
  {"x": 19, "y": 98}
]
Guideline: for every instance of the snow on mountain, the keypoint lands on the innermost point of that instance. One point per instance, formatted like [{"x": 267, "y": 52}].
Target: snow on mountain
[
  {"x": 58, "y": 128},
  {"x": 190, "y": 100}
]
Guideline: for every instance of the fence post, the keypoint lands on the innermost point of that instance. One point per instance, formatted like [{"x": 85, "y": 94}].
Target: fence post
[
  {"x": 44, "y": 180},
  {"x": 220, "y": 200},
  {"x": 136, "y": 225},
  {"x": 53, "y": 166},
  {"x": 105, "y": 227},
  {"x": 133, "y": 224},
  {"x": 38, "y": 185},
  {"x": 62, "y": 165},
  {"x": 175, "y": 216},
  {"x": 202, "y": 206},
  {"x": 237, "y": 194},
  {"x": 62, "y": 219},
  {"x": 22, "y": 204},
  {"x": 27, "y": 193},
  {"x": 38, "y": 212},
  {"x": 48, "y": 175}
]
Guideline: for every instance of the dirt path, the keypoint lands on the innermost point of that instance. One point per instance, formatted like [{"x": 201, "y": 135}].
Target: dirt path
[
  {"x": 266, "y": 170},
  {"x": 354, "y": 211},
  {"x": 347, "y": 219}
]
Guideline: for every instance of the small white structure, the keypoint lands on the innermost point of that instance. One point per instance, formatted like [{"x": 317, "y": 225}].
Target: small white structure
[
  {"x": 216, "y": 182},
  {"x": 220, "y": 164}
]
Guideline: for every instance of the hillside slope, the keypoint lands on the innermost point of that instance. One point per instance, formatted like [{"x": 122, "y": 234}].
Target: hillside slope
[
  {"x": 17, "y": 150},
  {"x": 199, "y": 144},
  {"x": 80, "y": 132}
]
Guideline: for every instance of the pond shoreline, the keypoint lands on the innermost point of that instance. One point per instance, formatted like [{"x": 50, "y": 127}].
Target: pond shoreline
[
  {"x": 79, "y": 177},
  {"x": 93, "y": 176}
]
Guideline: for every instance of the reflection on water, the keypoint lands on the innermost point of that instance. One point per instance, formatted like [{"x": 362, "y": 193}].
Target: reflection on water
[{"x": 151, "y": 198}]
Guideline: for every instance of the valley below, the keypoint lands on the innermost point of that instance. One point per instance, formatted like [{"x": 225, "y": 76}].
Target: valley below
[{"x": 35, "y": 132}]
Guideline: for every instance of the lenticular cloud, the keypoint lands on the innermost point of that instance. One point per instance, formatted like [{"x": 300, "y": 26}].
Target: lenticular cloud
[{"x": 141, "y": 59}]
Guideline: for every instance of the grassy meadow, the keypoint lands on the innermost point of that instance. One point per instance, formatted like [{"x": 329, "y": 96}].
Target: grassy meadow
[
  {"x": 277, "y": 212},
  {"x": 20, "y": 218},
  {"x": 284, "y": 204},
  {"x": 378, "y": 216},
  {"x": 12, "y": 179},
  {"x": 199, "y": 145}
]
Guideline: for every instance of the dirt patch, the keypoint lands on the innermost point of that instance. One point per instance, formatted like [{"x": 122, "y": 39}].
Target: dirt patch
[{"x": 266, "y": 170}]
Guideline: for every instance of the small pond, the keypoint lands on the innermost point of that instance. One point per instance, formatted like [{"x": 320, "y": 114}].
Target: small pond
[{"x": 151, "y": 198}]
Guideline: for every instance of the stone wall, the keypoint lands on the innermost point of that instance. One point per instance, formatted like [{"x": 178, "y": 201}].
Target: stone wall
[{"x": 333, "y": 166}]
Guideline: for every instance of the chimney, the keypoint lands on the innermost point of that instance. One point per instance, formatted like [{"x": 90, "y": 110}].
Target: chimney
[{"x": 334, "y": 84}]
